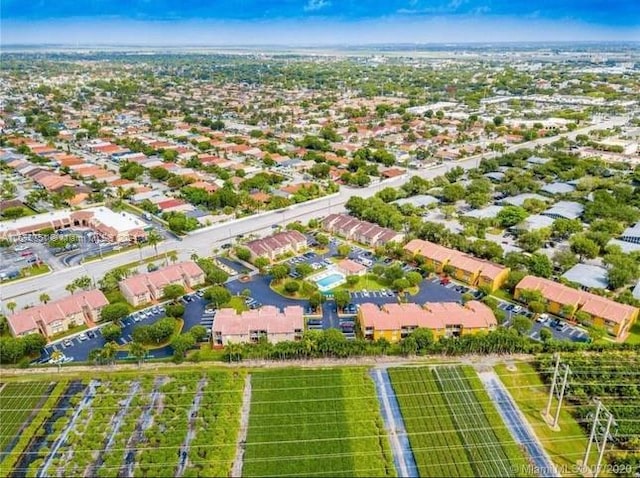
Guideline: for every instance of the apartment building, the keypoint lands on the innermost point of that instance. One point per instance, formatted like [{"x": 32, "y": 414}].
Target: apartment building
[
  {"x": 394, "y": 322},
  {"x": 360, "y": 231},
  {"x": 252, "y": 325},
  {"x": 277, "y": 244},
  {"x": 58, "y": 316},
  {"x": 148, "y": 287},
  {"x": 463, "y": 267},
  {"x": 617, "y": 319}
]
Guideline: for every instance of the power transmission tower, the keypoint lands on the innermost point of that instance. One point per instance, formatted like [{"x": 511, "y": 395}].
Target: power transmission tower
[
  {"x": 558, "y": 388},
  {"x": 600, "y": 434}
]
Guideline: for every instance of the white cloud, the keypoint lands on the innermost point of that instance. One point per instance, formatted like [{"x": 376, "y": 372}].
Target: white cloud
[{"x": 313, "y": 5}]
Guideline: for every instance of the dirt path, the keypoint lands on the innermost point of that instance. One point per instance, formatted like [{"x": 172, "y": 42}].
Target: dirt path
[
  {"x": 382, "y": 361},
  {"x": 191, "y": 432},
  {"x": 236, "y": 470},
  {"x": 86, "y": 401}
]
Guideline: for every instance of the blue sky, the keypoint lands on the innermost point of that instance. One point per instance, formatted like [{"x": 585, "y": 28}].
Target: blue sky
[{"x": 316, "y": 21}]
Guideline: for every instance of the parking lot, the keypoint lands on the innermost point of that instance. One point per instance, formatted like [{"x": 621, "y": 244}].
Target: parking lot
[
  {"x": 78, "y": 347},
  {"x": 15, "y": 258},
  {"x": 559, "y": 329}
]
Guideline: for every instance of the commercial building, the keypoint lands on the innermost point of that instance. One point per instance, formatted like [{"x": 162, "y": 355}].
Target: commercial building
[
  {"x": 58, "y": 316},
  {"x": 113, "y": 226},
  {"x": 565, "y": 301},
  {"x": 148, "y": 287},
  {"x": 463, "y": 267},
  {"x": 360, "y": 231},
  {"x": 278, "y": 244},
  {"x": 394, "y": 322},
  {"x": 252, "y": 325}
]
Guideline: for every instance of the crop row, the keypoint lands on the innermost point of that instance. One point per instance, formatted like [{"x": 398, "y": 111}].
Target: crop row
[
  {"x": 20, "y": 401},
  {"x": 484, "y": 446},
  {"x": 437, "y": 447},
  {"x": 315, "y": 422},
  {"x": 11, "y": 459}
]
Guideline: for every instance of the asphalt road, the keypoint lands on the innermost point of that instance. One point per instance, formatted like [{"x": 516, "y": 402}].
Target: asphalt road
[{"x": 202, "y": 242}]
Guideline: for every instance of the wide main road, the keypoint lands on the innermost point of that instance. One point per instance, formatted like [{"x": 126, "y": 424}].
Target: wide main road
[{"x": 202, "y": 242}]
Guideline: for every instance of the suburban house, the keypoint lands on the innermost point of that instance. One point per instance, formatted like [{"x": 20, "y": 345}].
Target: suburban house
[
  {"x": 144, "y": 288},
  {"x": 277, "y": 244},
  {"x": 252, "y": 325},
  {"x": 351, "y": 268},
  {"x": 617, "y": 319},
  {"x": 463, "y": 267},
  {"x": 360, "y": 231},
  {"x": 58, "y": 316},
  {"x": 394, "y": 322}
]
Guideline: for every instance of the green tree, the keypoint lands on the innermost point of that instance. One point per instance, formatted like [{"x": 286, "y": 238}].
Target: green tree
[
  {"x": 138, "y": 351},
  {"x": 414, "y": 278},
  {"x": 153, "y": 238},
  {"x": 540, "y": 265},
  {"x": 352, "y": 280},
  {"x": 291, "y": 287},
  {"x": 304, "y": 269},
  {"x": 511, "y": 215},
  {"x": 584, "y": 247},
  {"x": 315, "y": 300},
  {"x": 111, "y": 332},
  {"x": 322, "y": 239},
  {"x": 114, "y": 312},
  {"x": 44, "y": 298},
  {"x": 342, "y": 298},
  {"x": 545, "y": 334},
  {"x": 262, "y": 263},
  {"x": 279, "y": 271},
  {"x": 521, "y": 324},
  {"x": 182, "y": 344},
  {"x": 172, "y": 291},
  {"x": 344, "y": 250},
  {"x": 243, "y": 253},
  {"x": 401, "y": 284},
  {"x": 218, "y": 295},
  {"x": 199, "y": 332}
]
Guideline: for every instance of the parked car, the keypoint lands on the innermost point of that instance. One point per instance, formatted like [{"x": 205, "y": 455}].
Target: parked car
[
  {"x": 67, "y": 343},
  {"x": 91, "y": 334},
  {"x": 83, "y": 336}
]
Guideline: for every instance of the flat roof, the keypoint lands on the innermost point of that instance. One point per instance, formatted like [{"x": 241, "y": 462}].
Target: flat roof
[
  {"x": 521, "y": 198},
  {"x": 565, "y": 209},
  {"x": 120, "y": 221},
  {"x": 32, "y": 221},
  {"x": 558, "y": 188},
  {"x": 418, "y": 201},
  {"x": 488, "y": 212},
  {"x": 590, "y": 276}
]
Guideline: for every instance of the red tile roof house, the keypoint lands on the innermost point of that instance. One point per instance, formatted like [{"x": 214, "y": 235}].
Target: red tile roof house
[
  {"x": 250, "y": 326},
  {"x": 360, "y": 231},
  {"x": 277, "y": 244},
  {"x": 351, "y": 268},
  {"x": 58, "y": 316},
  {"x": 148, "y": 287}
]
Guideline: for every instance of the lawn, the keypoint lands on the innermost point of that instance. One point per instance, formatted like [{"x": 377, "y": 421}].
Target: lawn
[
  {"x": 453, "y": 428},
  {"x": 366, "y": 282},
  {"x": 315, "y": 423},
  {"x": 634, "y": 334},
  {"x": 565, "y": 446},
  {"x": 32, "y": 271},
  {"x": 236, "y": 302},
  {"x": 19, "y": 401}
]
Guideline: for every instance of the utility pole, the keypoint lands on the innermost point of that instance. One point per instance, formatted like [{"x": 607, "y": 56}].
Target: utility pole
[
  {"x": 600, "y": 434},
  {"x": 558, "y": 388}
]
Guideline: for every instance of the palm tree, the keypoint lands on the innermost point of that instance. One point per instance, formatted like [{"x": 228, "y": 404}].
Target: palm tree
[
  {"x": 194, "y": 257},
  {"x": 71, "y": 288},
  {"x": 11, "y": 306},
  {"x": 173, "y": 256},
  {"x": 57, "y": 357},
  {"x": 153, "y": 238},
  {"x": 44, "y": 298},
  {"x": 109, "y": 352},
  {"x": 139, "y": 351}
]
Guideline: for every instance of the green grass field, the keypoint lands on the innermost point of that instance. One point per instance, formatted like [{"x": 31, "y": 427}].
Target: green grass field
[
  {"x": 565, "y": 446},
  {"x": 315, "y": 423},
  {"x": 18, "y": 402},
  {"x": 453, "y": 428}
]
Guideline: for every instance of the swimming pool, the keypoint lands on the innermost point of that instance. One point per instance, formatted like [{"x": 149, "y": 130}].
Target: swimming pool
[{"x": 328, "y": 280}]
